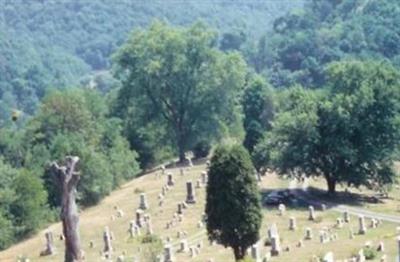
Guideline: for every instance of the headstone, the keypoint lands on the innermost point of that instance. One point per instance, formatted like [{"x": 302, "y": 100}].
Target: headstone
[
  {"x": 198, "y": 183},
  {"x": 323, "y": 237},
  {"x": 255, "y": 254},
  {"x": 170, "y": 180},
  {"x": 143, "y": 202},
  {"x": 139, "y": 217},
  {"x": 190, "y": 193},
  {"x": 192, "y": 252},
  {"x": 131, "y": 230},
  {"x": 275, "y": 245},
  {"x": 163, "y": 191},
  {"x": 120, "y": 258},
  {"x": 267, "y": 257},
  {"x": 182, "y": 172},
  {"x": 381, "y": 247},
  {"x": 362, "y": 229},
  {"x": 361, "y": 256},
  {"x": 309, "y": 234},
  {"x": 204, "y": 177},
  {"x": 323, "y": 207},
  {"x": 168, "y": 253},
  {"x": 328, "y": 257},
  {"x": 281, "y": 209},
  {"x": 107, "y": 242},
  {"x": 120, "y": 213},
  {"x": 180, "y": 209},
  {"x": 300, "y": 243},
  {"x": 292, "y": 223},
  {"x": 311, "y": 213},
  {"x": 184, "y": 246},
  {"x": 398, "y": 248},
  {"x": 374, "y": 223},
  {"x": 273, "y": 231},
  {"x": 339, "y": 222},
  {"x": 162, "y": 169},
  {"x": 50, "y": 248},
  {"x": 346, "y": 217},
  {"x": 91, "y": 244}
]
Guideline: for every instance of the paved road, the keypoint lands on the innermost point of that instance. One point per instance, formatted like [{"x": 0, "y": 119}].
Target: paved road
[{"x": 301, "y": 192}]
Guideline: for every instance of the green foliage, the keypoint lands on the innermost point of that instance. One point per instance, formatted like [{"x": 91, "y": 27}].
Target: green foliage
[
  {"x": 74, "y": 122},
  {"x": 370, "y": 253},
  {"x": 202, "y": 149},
  {"x": 304, "y": 41},
  {"x": 175, "y": 77},
  {"x": 69, "y": 41},
  {"x": 233, "y": 206},
  {"x": 258, "y": 109},
  {"x": 348, "y": 132}
]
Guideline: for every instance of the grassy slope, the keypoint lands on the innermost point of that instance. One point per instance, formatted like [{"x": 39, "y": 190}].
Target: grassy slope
[{"x": 93, "y": 221}]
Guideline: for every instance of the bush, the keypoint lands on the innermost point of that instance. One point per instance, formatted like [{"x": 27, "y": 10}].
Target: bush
[
  {"x": 201, "y": 149},
  {"x": 370, "y": 253}
]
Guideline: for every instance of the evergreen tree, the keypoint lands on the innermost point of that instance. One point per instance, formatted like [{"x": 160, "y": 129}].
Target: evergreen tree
[{"x": 233, "y": 205}]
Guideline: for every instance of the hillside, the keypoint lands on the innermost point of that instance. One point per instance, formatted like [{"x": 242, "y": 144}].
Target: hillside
[
  {"x": 54, "y": 44},
  {"x": 93, "y": 221}
]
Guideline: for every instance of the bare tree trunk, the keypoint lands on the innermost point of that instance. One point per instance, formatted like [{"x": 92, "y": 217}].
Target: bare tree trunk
[{"x": 67, "y": 179}]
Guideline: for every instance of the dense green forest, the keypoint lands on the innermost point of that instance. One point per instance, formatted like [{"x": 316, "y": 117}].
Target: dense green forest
[
  {"x": 308, "y": 87},
  {"x": 59, "y": 43}
]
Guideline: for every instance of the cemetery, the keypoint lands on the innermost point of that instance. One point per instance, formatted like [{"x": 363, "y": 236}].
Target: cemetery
[{"x": 131, "y": 225}]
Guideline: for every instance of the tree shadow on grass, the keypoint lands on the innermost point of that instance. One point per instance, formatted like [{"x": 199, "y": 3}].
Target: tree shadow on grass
[{"x": 301, "y": 200}]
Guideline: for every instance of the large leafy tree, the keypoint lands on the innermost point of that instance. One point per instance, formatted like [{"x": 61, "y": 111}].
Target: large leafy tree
[
  {"x": 177, "y": 76},
  {"x": 74, "y": 122},
  {"x": 233, "y": 206},
  {"x": 348, "y": 132},
  {"x": 258, "y": 109}
]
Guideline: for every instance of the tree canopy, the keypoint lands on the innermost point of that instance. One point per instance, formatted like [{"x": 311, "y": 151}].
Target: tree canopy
[
  {"x": 233, "y": 204},
  {"x": 177, "y": 77},
  {"x": 347, "y": 132}
]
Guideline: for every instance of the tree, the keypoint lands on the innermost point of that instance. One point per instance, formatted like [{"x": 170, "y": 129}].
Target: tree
[
  {"x": 233, "y": 206},
  {"x": 258, "y": 109},
  {"x": 347, "y": 132},
  {"x": 179, "y": 78},
  {"x": 67, "y": 179}
]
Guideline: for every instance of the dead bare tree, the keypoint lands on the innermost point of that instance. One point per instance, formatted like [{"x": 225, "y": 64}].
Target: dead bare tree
[{"x": 67, "y": 178}]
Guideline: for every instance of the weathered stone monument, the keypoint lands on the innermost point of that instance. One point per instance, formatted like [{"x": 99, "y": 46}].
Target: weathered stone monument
[
  {"x": 168, "y": 253},
  {"x": 281, "y": 209},
  {"x": 67, "y": 179},
  {"x": 255, "y": 253},
  {"x": 143, "y": 202},
  {"x": 328, "y": 257},
  {"x": 204, "y": 177},
  {"x": 311, "y": 213},
  {"x": 190, "y": 193},
  {"x": 362, "y": 229},
  {"x": 170, "y": 179},
  {"x": 50, "y": 248},
  {"x": 107, "y": 250},
  {"x": 139, "y": 217},
  {"x": 275, "y": 245},
  {"x": 292, "y": 223},
  {"x": 346, "y": 217},
  {"x": 184, "y": 247},
  {"x": 309, "y": 234}
]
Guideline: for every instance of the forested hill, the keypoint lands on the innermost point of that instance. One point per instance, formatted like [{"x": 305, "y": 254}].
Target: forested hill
[{"x": 54, "y": 43}]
